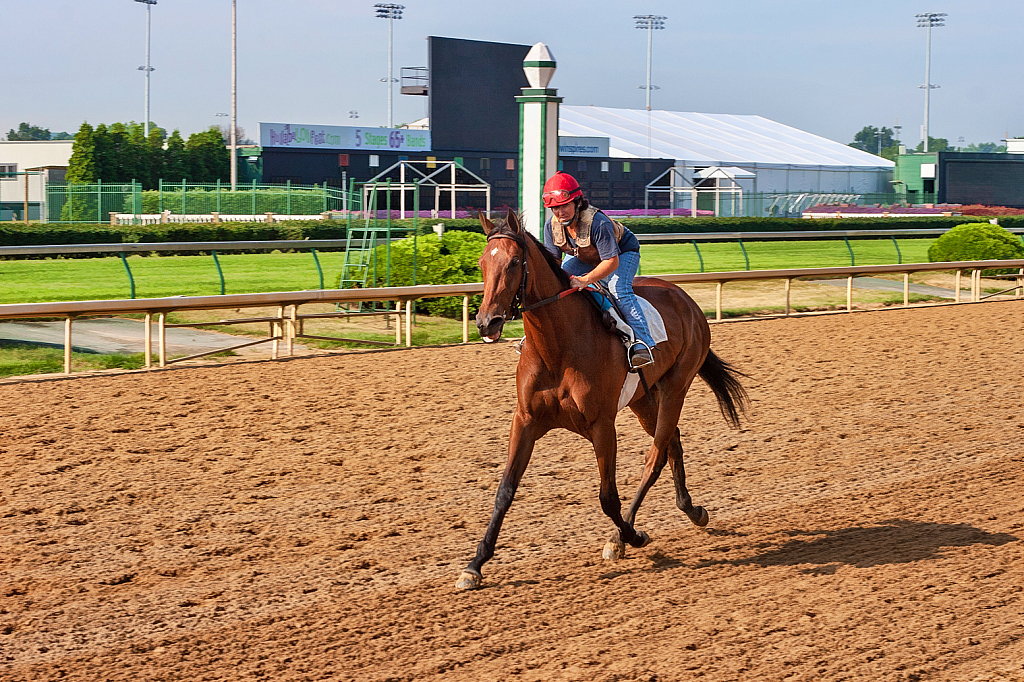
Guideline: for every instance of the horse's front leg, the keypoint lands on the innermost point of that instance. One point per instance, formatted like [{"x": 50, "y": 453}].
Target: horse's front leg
[
  {"x": 606, "y": 448},
  {"x": 520, "y": 447}
]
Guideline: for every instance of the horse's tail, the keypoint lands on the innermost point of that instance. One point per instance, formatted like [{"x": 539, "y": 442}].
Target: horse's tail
[{"x": 721, "y": 377}]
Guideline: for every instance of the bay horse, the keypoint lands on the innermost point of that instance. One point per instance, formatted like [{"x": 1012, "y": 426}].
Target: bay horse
[{"x": 571, "y": 372}]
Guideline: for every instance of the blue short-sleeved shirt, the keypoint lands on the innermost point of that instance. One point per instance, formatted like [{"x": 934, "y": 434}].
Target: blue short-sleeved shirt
[{"x": 602, "y": 236}]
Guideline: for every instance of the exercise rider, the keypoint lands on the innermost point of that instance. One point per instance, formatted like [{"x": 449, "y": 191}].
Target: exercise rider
[{"x": 597, "y": 249}]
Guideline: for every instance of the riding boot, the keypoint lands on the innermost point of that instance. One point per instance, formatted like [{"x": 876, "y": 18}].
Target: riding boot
[{"x": 640, "y": 356}]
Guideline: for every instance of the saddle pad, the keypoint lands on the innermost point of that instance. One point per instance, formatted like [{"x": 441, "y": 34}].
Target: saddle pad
[{"x": 656, "y": 325}]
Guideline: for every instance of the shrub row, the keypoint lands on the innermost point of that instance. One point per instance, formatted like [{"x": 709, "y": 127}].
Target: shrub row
[
  {"x": 32, "y": 234},
  {"x": 21, "y": 234}
]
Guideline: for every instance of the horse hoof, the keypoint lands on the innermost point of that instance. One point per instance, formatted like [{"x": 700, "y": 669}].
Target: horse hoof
[
  {"x": 645, "y": 539},
  {"x": 703, "y": 519},
  {"x": 469, "y": 581},
  {"x": 613, "y": 551}
]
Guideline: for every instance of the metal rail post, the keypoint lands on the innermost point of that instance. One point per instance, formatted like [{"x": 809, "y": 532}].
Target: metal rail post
[
  {"x": 849, "y": 294},
  {"x": 906, "y": 289},
  {"x": 718, "y": 301},
  {"x": 220, "y": 273},
  {"x": 131, "y": 280},
  {"x": 789, "y": 285},
  {"x": 319, "y": 270},
  {"x": 956, "y": 286},
  {"x": 398, "y": 323},
  {"x": 275, "y": 333},
  {"x": 67, "y": 344},
  {"x": 408, "y": 323},
  {"x": 899, "y": 254},
  {"x": 147, "y": 340},
  {"x": 161, "y": 330},
  {"x": 465, "y": 319},
  {"x": 290, "y": 331}
]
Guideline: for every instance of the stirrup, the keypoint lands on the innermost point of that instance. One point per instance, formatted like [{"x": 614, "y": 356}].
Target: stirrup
[{"x": 640, "y": 357}]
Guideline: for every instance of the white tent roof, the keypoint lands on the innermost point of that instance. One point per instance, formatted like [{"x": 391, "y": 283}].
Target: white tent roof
[{"x": 712, "y": 139}]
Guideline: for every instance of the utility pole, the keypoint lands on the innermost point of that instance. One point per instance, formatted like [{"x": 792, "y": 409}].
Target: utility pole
[
  {"x": 390, "y": 12},
  {"x": 147, "y": 68},
  {"x": 234, "y": 95},
  {"x": 928, "y": 20}
]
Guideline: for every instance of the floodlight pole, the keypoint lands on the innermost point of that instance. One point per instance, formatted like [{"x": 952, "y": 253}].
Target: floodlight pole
[
  {"x": 649, "y": 22},
  {"x": 390, "y": 12},
  {"x": 147, "y": 68},
  {"x": 650, "y": 42},
  {"x": 234, "y": 96},
  {"x": 928, "y": 20}
]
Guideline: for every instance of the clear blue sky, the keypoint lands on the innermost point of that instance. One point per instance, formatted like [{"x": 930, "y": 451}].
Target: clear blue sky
[{"x": 823, "y": 66}]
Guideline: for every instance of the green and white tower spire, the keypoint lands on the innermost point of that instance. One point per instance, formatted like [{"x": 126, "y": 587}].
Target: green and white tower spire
[{"x": 538, "y": 135}]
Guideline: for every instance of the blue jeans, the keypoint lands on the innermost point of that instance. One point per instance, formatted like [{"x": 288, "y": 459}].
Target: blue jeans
[{"x": 620, "y": 283}]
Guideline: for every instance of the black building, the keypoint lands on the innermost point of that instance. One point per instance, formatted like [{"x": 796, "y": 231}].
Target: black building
[{"x": 474, "y": 120}]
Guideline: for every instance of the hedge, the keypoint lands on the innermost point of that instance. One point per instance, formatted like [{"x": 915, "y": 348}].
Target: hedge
[
  {"x": 47, "y": 234},
  {"x": 21, "y": 234}
]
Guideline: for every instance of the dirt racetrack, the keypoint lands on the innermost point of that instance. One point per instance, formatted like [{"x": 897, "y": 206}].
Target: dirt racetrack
[{"x": 307, "y": 519}]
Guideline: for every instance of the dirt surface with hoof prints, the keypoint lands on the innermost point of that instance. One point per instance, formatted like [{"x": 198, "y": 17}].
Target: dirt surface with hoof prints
[{"x": 306, "y": 519}]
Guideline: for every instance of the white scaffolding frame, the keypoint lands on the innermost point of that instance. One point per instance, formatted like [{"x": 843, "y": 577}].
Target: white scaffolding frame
[{"x": 410, "y": 177}]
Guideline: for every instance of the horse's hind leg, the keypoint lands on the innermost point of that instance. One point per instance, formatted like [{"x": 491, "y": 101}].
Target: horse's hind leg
[
  {"x": 647, "y": 413},
  {"x": 699, "y": 515},
  {"x": 603, "y": 438}
]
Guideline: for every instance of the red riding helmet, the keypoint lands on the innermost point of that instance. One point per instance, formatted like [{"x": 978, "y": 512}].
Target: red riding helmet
[{"x": 561, "y": 188}]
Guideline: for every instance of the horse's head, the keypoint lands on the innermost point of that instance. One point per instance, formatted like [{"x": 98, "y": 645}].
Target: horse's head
[{"x": 504, "y": 272}]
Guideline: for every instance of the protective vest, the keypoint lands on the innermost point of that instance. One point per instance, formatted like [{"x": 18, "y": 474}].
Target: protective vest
[{"x": 584, "y": 250}]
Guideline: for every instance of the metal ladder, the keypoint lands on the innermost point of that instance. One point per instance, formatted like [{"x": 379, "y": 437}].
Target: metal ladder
[{"x": 359, "y": 265}]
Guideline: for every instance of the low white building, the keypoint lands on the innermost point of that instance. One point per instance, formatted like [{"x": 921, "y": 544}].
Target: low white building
[
  {"x": 45, "y": 161},
  {"x": 781, "y": 159}
]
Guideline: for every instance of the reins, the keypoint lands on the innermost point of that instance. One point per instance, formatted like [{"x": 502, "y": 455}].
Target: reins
[{"x": 516, "y": 308}]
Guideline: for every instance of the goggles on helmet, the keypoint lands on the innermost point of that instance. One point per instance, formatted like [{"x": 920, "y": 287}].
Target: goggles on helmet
[{"x": 561, "y": 195}]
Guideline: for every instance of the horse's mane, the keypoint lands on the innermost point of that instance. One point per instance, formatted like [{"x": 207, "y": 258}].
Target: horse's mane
[{"x": 501, "y": 227}]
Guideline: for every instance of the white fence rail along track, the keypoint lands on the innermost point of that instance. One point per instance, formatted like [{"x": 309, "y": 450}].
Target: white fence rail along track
[{"x": 287, "y": 325}]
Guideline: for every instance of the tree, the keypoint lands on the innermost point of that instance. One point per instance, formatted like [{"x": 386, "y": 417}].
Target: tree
[
  {"x": 240, "y": 138},
  {"x": 106, "y": 163},
  {"x": 935, "y": 144},
  {"x": 209, "y": 160},
  {"x": 61, "y": 136},
  {"x": 155, "y": 157},
  {"x": 867, "y": 139},
  {"x": 985, "y": 147},
  {"x": 176, "y": 166},
  {"x": 82, "y": 166},
  {"x": 26, "y": 132}
]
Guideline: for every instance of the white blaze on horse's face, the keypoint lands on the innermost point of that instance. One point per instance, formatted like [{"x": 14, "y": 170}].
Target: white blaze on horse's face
[{"x": 501, "y": 268}]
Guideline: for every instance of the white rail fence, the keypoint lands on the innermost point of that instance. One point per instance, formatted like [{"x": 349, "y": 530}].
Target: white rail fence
[{"x": 288, "y": 324}]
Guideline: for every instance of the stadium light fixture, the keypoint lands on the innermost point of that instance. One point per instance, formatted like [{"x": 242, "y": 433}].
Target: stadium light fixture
[
  {"x": 390, "y": 12},
  {"x": 928, "y": 20},
  {"x": 147, "y": 68},
  {"x": 649, "y": 23}
]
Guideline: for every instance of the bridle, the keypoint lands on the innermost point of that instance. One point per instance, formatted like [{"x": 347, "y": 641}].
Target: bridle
[{"x": 516, "y": 308}]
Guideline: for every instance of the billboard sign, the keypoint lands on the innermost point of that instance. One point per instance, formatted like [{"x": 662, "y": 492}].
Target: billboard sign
[
  {"x": 352, "y": 138},
  {"x": 583, "y": 146}
]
